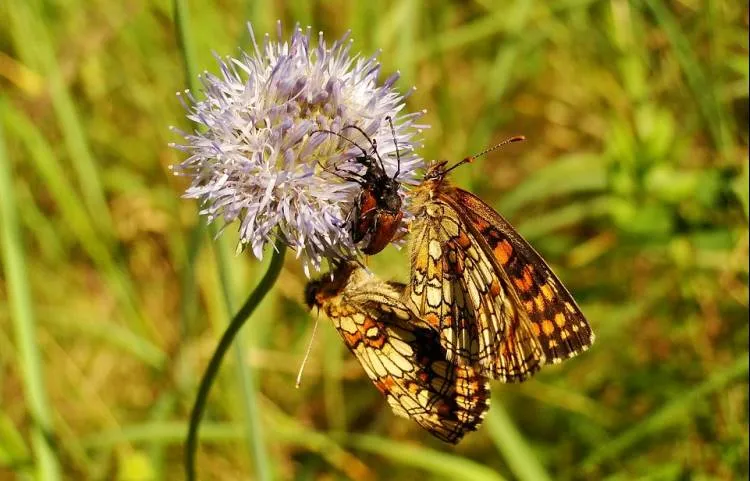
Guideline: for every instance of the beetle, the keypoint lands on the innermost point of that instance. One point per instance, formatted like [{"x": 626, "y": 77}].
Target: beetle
[{"x": 376, "y": 215}]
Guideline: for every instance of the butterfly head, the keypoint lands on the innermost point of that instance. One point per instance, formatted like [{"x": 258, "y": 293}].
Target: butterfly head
[
  {"x": 318, "y": 291},
  {"x": 437, "y": 171}
]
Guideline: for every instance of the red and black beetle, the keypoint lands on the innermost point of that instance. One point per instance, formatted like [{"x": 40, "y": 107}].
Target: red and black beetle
[{"x": 376, "y": 215}]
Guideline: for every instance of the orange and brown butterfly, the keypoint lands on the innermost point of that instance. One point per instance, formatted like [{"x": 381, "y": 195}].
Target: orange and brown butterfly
[
  {"x": 400, "y": 354},
  {"x": 490, "y": 295}
]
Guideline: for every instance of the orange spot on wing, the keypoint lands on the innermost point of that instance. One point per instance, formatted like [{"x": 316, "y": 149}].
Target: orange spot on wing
[
  {"x": 463, "y": 240},
  {"x": 351, "y": 339},
  {"x": 540, "y": 302},
  {"x": 495, "y": 288},
  {"x": 374, "y": 343},
  {"x": 548, "y": 327},
  {"x": 526, "y": 282},
  {"x": 432, "y": 319},
  {"x": 528, "y": 271},
  {"x": 384, "y": 384},
  {"x": 480, "y": 224},
  {"x": 560, "y": 319},
  {"x": 503, "y": 251},
  {"x": 547, "y": 291},
  {"x": 535, "y": 329},
  {"x": 529, "y": 306},
  {"x": 413, "y": 388}
]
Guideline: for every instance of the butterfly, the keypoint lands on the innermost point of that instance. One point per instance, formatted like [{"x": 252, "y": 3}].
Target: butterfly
[
  {"x": 377, "y": 213},
  {"x": 494, "y": 301},
  {"x": 400, "y": 354}
]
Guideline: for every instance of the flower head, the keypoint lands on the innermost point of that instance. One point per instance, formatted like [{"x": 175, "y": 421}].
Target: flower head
[{"x": 258, "y": 155}]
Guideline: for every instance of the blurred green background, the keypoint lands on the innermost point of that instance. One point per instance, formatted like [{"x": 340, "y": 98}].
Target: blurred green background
[{"x": 633, "y": 184}]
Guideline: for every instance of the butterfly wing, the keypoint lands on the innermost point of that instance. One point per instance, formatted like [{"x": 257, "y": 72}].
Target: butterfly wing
[
  {"x": 556, "y": 319},
  {"x": 403, "y": 357},
  {"x": 457, "y": 287}
]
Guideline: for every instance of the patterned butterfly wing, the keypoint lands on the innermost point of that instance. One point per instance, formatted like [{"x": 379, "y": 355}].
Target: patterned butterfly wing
[
  {"x": 556, "y": 319},
  {"x": 458, "y": 288},
  {"x": 401, "y": 355}
]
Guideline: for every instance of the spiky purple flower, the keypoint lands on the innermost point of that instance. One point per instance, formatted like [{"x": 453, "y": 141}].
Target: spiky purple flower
[{"x": 255, "y": 156}]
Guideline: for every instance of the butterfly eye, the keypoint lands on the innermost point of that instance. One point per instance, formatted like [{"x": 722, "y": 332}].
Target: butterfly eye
[{"x": 437, "y": 171}]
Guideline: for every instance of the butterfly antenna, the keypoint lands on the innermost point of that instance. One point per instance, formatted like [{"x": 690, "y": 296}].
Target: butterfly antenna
[
  {"x": 307, "y": 352},
  {"x": 472, "y": 158},
  {"x": 398, "y": 155}
]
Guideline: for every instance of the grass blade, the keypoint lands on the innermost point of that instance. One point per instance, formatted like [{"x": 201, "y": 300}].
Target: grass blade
[
  {"x": 28, "y": 28},
  {"x": 13, "y": 448},
  {"x": 448, "y": 465},
  {"x": 24, "y": 325},
  {"x": 515, "y": 450},
  {"x": 703, "y": 91}
]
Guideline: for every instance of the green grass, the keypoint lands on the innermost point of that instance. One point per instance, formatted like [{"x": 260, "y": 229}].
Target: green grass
[
  {"x": 24, "y": 327},
  {"x": 632, "y": 183}
]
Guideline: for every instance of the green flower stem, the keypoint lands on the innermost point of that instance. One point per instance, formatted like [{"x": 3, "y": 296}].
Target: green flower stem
[
  {"x": 246, "y": 376},
  {"x": 252, "y": 302},
  {"x": 24, "y": 324}
]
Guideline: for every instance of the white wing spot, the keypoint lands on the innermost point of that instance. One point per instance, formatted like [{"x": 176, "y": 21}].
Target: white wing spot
[{"x": 434, "y": 249}]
